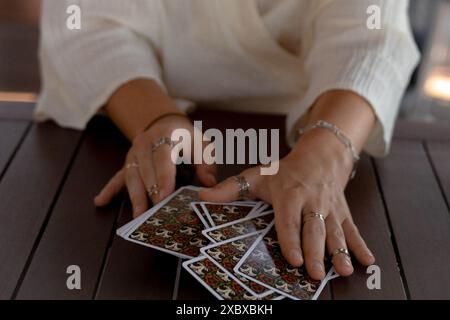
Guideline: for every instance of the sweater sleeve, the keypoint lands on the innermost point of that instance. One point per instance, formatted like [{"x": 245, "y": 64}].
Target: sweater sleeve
[
  {"x": 342, "y": 52},
  {"x": 82, "y": 68}
]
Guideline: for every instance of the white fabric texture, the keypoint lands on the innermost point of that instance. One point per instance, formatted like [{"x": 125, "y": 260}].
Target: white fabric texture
[{"x": 249, "y": 55}]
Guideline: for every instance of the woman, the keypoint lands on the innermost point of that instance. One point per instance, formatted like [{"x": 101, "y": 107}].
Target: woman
[{"x": 320, "y": 62}]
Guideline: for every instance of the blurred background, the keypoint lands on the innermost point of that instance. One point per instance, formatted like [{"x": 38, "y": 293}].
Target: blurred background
[{"x": 427, "y": 99}]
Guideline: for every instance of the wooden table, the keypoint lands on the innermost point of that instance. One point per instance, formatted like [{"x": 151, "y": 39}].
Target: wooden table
[{"x": 49, "y": 176}]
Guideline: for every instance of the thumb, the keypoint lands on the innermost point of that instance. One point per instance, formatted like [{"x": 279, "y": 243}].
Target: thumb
[{"x": 226, "y": 191}]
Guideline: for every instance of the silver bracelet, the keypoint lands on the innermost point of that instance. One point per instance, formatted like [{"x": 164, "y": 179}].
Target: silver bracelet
[{"x": 321, "y": 124}]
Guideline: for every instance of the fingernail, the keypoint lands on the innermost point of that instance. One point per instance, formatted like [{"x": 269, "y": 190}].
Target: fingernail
[
  {"x": 317, "y": 266},
  {"x": 296, "y": 256},
  {"x": 370, "y": 256},
  {"x": 348, "y": 263}
]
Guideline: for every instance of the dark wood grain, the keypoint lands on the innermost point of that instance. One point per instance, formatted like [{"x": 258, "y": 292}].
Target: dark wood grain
[
  {"x": 16, "y": 110},
  {"x": 11, "y": 133},
  {"x": 440, "y": 156},
  {"x": 367, "y": 209},
  {"x": 422, "y": 130},
  {"x": 136, "y": 272},
  {"x": 420, "y": 219},
  {"x": 77, "y": 233},
  {"x": 27, "y": 192},
  {"x": 19, "y": 67}
]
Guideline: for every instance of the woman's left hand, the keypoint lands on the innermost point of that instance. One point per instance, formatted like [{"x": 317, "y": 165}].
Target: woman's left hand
[{"x": 311, "y": 179}]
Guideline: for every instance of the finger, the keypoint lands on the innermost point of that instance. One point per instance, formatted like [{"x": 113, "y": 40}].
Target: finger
[
  {"x": 207, "y": 174},
  {"x": 313, "y": 239},
  {"x": 111, "y": 189},
  {"x": 335, "y": 241},
  {"x": 228, "y": 190},
  {"x": 146, "y": 170},
  {"x": 136, "y": 190},
  {"x": 165, "y": 171},
  {"x": 288, "y": 213},
  {"x": 356, "y": 243}
]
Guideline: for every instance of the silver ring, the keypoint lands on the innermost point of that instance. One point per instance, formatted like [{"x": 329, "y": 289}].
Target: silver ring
[
  {"x": 318, "y": 215},
  {"x": 162, "y": 141},
  {"x": 244, "y": 186},
  {"x": 131, "y": 165},
  {"x": 339, "y": 251},
  {"x": 153, "y": 190}
]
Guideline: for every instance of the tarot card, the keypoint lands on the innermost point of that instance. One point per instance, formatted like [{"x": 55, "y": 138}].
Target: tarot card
[
  {"x": 221, "y": 213},
  {"x": 259, "y": 206},
  {"x": 227, "y": 254},
  {"x": 218, "y": 282},
  {"x": 196, "y": 206},
  {"x": 239, "y": 227},
  {"x": 265, "y": 264},
  {"x": 263, "y": 207},
  {"x": 172, "y": 226},
  {"x": 122, "y": 231}
]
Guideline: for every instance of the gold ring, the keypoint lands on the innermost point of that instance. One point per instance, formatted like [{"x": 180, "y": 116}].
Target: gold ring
[
  {"x": 131, "y": 165},
  {"x": 339, "y": 251},
  {"x": 153, "y": 190},
  {"x": 318, "y": 215}
]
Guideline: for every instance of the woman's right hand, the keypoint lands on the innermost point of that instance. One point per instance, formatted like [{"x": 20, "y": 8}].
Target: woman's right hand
[{"x": 145, "y": 168}]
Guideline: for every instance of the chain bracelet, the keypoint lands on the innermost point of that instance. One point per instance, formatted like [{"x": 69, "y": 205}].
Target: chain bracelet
[{"x": 321, "y": 124}]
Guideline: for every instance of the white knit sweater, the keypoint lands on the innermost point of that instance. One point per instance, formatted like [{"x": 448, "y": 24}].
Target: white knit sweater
[{"x": 272, "y": 56}]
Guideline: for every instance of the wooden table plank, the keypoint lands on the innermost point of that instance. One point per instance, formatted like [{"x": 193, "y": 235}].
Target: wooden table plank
[
  {"x": 16, "y": 110},
  {"x": 420, "y": 219},
  {"x": 422, "y": 130},
  {"x": 11, "y": 133},
  {"x": 27, "y": 191},
  {"x": 440, "y": 156},
  {"x": 77, "y": 233},
  {"x": 136, "y": 272},
  {"x": 19, "y": 67},
  {"x": 367, "y": 209}
]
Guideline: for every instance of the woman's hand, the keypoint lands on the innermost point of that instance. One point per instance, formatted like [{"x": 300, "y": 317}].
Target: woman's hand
[
  {"x": 145, "y": 168},
  {"x": 311, "y": 179}
]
